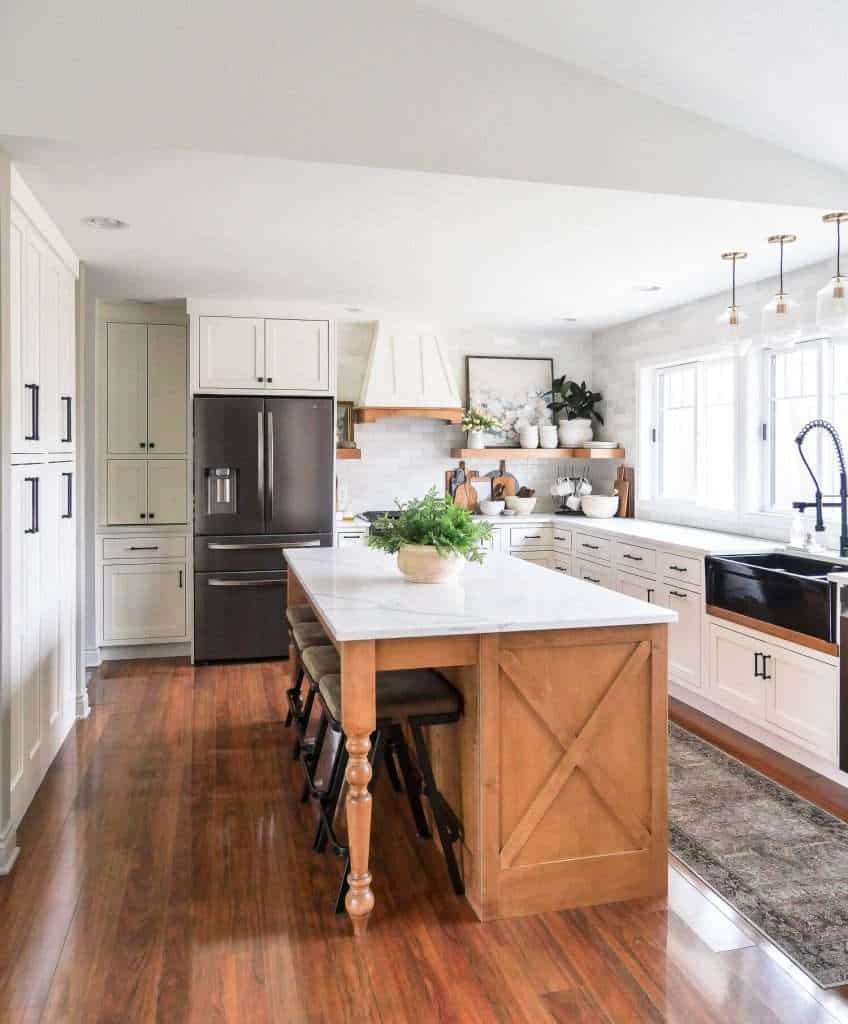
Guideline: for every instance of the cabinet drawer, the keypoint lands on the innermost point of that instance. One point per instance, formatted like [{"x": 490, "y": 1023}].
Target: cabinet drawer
[
  {"x": 683, "y": 568},
  {"x": 126, "y": 548},
  {"x": 352, "y": 539},
  {"x": 541, "y": 536},
  {"x": 592, "y": 573},
  {"x": 562, "y": 563},
  {"x": 562, "y": 539},
  {"x": 629, "y": 556},
  {"x": 538, "y": 557},
  {"x": 599, "y": 548}
]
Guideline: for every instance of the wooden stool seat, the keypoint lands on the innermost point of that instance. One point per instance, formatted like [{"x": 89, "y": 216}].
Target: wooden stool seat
[
  {"x": 400, "y": 695},
  {"x": 298, "y": 613},
  {"x": 309, "y": 634}
]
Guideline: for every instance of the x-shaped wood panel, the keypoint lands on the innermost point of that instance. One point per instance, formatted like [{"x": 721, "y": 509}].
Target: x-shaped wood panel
[{"x": 576, "y": 753}]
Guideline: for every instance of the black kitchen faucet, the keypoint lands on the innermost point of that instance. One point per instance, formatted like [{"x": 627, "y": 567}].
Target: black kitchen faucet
[{"x": 819, "y": 504}]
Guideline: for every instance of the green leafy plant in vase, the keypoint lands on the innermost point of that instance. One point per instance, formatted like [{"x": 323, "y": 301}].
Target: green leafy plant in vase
[
  {"x": 476, "y": 423},
  {"x": 578, "y": 403},
  {"x": 432, "y": 537}
]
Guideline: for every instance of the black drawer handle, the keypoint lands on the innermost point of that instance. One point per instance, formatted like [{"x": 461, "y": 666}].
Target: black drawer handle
[
  {"x": 34, "y": 481},
  {"x": 651, "y": 593},
  {"x": 559, "y": 568},
  {"x": 143, "y": 547},
  {"x": 560, "y": 536},
  {"x": 679, "y": 568},
  {"x": 591, "y": 579},
  {"x": 678, "y": 593},
  {"x": 68, "y": 418},
  {"x": 591, "y": 547},
  {"x": 69, "y": 478},
  {"x": 532, "y": 536},
  {"x": 633, "y": 558},
  {"x": 765, "y": 658},
  {"x": 34, "y": 391}
]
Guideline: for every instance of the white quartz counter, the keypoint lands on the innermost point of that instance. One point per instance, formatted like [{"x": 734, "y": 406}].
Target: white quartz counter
[{"x": 361, "y": 595}]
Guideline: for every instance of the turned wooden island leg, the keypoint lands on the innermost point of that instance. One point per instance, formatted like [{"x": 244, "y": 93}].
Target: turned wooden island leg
[{"x": 359, "y": 719}]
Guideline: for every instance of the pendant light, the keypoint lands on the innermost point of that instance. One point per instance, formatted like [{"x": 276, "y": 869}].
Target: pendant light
[
  {"x": 733, "y": 324},
  {"x": 782, "y": 316},
  {"x": 832, "y": 301}
]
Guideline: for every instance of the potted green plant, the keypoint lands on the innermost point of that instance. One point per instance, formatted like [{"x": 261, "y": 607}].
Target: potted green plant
[
  {"x": 577, "y": 402},
  {"x": 432, "y": 537},
  {"x": 476, "y": 423}
]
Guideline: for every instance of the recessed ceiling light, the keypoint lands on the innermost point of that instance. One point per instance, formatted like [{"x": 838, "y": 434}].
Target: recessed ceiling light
[
  {"x": 106, "y": 223},
  {"x": 648, "y": 288}
]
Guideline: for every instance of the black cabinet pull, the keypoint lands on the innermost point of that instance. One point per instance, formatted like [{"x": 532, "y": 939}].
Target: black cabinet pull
[
  {"x": 151, "y": 444},
  {"x": 69, "y": 493},
  {"x": 591, "y": 579},
  {"x": 260, "y": 379},
  {"x": 35, "y": 482},
  {"x": 765, "y": 658},
  {"x": 180, "y": 574},
  {"x": 150, "y": 515},
  {"x": 633, "y": 558},
  {"x": 269, "y": 380},
  {"x": 34, "y": 391},
  {"x": 757, "y": 657},
  {"x": 141, "y": 444},
  {"x": 143, "y": 547},
  {"x": 678, "y": 568},
  {"x": 591, "y": 547},
  {"x": 141, "y": 515},
  {"x": 532, "y": 536},
  {"x": 651, "y": 591},
  {"x": 678, "y": 593},
  {"x": 67, "y": 400}
]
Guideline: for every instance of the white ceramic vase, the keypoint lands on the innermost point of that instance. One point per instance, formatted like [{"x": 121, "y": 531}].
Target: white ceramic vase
[
  {"x": 476, "y": 439},
  {"x": 548, "y": 435},
  {"x": 528, "y": 436},
  {"x": 422, "y": 563},
  {"x": 573, "y": 433}
]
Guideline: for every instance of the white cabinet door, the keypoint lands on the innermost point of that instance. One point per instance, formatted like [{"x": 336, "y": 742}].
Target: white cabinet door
[
  {"x": 26, "y": 690},
  {"x": 684, "y": 636},
  {"x": 166, "y": 491},
  {"x": 166, "y": 389},
  {"x": 66, "y": 364},
  {"x": 67, "y": 612},
  {"x": 802, "y": 698},
  {"x": 733, "y": 665},
  {"x": 126, "y": 492},
  {"x": 126, "y": 389},
  {"x": 562, "y": 563},
  {"x": 635, "y": 586},
  {"x": 144, "y": 602},
  {"x": 591, "y": 572},
  {"x": 48, "y": 353},
  {"x": 26, "y": 257},
  {"x": 297, "y": 355},
  {"x": 231, "y": 352}
]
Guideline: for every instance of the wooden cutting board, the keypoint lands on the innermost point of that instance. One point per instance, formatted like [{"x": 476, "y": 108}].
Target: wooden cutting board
[
  {"x": 507, "y": 481},
  {"x": 465, "y": 496}
]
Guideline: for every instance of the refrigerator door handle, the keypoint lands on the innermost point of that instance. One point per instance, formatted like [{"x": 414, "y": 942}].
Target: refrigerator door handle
[
  {"x": 247, "y": 583},
  {"x": 270, "y": 424},
  {"x": 260, "y": 460},
  {"x": 269, "y": 546}
]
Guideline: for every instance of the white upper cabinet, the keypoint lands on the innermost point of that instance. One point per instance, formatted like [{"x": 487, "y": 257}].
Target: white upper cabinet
[
  {"x": 281, "y": 355},
  {"x": 231, "y": 352},
  {"x": 126, "y": 492},
  {"x": 126, "y": 389},
  {"x": 166, "y": 491},
  {"x": 297, "y": 355},
  {"x": 166, "y": 389},
  {"x": 66, "y": 365}
]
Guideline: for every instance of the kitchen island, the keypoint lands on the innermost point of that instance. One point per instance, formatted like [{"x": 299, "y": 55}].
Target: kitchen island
[{"x": 559, "y": 763}]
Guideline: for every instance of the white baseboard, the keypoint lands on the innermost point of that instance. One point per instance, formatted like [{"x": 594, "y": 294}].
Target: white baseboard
[
  {"x": 92, "y": 657},
  {"x": 131, "y": 651},
  {"x": 9, "y": 850},
  {"x": 83, "y": 707}
]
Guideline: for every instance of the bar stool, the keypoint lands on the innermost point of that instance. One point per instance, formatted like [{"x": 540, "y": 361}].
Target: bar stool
[
  {"x": 414, "y": 698},
  {"x": 305, "y": 633}
]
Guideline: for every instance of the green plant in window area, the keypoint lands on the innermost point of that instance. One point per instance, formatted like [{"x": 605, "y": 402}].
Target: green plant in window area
[
  {"x": 576, "y": 400},
  {"x": 476, "y": 419},
  {"x": 435, "y": 521}
]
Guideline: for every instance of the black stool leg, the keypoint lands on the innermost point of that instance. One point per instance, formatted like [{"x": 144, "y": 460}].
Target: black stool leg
[
  {"x": 412, "y": 782},
  {"x": 310, "y": 758},
  {"x": 294, "y": 693},
  {"x": 340, "y": 899},
  {"x": 445, "y": 819},
  {"x": 391, "y": 764}
]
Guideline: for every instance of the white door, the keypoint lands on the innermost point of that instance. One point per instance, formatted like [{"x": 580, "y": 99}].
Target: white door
[
  {"x": 231, "y": 352},
  {"x": 67, "y": 362},
  {"x": 126, "y": 492},
  {"x": 48, "y": 353},
  {"x": 126, "y": 389},
  {"x": 802, "y": 698},
  {"x": 166, "y": 389},
  {"x": 67, "y": 567},
  {"x": 297, "y": 355},
  {"x": 635, "y": 586},
  {"x": 25, "y": 272},
  {"x": 734, "y": 682},
  {"x": 166, "y": 491},
  {"x": 27, "y": 698},
  {"x": 684, "y": 636},
  {"x": 144, "y": 602}
]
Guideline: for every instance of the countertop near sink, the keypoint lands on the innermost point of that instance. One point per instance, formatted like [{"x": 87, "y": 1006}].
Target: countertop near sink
[{"x": 703, "y": 542}]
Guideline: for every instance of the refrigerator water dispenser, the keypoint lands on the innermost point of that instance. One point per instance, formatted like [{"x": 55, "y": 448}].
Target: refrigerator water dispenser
[{"x": 222, "y": 491}]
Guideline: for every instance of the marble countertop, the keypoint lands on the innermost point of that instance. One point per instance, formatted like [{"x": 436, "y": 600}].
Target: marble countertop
[{"x": 361, "y": 595}]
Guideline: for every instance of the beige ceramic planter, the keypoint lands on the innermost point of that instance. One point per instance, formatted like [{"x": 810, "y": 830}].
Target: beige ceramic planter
[{"x": 422, "y": 563}]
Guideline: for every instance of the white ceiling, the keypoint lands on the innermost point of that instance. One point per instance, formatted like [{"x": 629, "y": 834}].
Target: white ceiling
[
  {"x": 776, "y": 71},
  {"x": 460, "y": 162},
  {"x": 220, "y": 226}
]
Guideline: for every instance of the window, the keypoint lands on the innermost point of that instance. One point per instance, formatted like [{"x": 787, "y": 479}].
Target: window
[
  {"x": 694, "y": 433},
  {"x": 804, "y": 383}
]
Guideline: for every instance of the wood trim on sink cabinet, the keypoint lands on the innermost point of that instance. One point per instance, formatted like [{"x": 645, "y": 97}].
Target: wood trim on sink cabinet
[{"x": 781, "y": 632}]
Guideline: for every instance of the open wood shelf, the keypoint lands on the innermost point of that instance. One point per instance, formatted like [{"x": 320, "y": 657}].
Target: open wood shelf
[
  {"x": 511, "y": 454},
  {"x": 348, "y": 453},
  {"x": 373, "y": 413}
]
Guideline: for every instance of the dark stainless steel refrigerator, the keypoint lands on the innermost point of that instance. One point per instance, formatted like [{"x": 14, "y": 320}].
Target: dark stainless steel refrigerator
[{"x": 263, "y": 480}]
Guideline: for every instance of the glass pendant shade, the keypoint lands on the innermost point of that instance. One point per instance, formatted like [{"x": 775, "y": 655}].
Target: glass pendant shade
[
  {"x": 732, "y": 326},
  {"x": 782, "y": 316},
  {"x": 832, "y": 300}
]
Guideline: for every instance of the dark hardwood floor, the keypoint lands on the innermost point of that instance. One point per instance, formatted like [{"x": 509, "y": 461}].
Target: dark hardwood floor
[{"x": 166, "y": 875}]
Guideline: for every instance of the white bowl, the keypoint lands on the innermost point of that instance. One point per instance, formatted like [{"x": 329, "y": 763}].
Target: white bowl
[
  {"x": 599, "y": 506},
  {"x": 524, "y": 506},
  {"x": 492, "y": 508}
]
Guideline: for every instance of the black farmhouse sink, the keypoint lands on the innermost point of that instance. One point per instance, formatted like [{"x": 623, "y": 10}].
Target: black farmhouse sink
[{"x": 785, "y": 590}]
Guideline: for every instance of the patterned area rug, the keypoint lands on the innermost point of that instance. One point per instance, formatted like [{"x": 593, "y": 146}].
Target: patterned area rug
[{"x": 780, "y": 861}]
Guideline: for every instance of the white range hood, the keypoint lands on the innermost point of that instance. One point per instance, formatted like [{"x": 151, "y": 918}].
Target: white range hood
[{"x": 408, "y": 375}]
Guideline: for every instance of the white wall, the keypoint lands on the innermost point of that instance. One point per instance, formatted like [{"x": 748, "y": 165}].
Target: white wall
[{"x": 403, "y": 458}]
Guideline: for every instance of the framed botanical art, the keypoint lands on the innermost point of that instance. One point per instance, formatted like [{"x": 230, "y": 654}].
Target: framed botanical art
[
  {"x": 344, "y": 425},
  {"x": 510, "y": 388}
]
